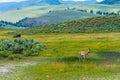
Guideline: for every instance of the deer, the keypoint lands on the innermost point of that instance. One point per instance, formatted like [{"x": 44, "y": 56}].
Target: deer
[{"x": 84, "y": 54}]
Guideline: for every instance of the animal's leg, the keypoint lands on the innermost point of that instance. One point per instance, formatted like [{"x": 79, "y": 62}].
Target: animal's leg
[
  {"x": 79, "y": 57},
  {"x": 84, "y": 58}
]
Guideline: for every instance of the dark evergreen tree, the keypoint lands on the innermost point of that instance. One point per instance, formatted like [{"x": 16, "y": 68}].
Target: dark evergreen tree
[{"x": 91, "y": 11}]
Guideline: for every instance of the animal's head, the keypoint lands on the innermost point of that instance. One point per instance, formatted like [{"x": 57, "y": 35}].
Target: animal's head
[{"x": 89, "y": 50}]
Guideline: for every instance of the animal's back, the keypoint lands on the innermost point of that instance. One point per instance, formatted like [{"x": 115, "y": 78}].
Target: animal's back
[
  {"x": 82, "y": 53},
  {"x": 16, "y": 36}
]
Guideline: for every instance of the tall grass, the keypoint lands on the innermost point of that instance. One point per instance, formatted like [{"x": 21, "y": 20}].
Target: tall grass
[{"x": 60, "y": 61}]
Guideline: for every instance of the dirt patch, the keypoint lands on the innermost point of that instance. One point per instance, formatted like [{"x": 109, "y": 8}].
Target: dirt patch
[
  {"x": 10, "y": 68},
  {"x": 4, "y": 70}
]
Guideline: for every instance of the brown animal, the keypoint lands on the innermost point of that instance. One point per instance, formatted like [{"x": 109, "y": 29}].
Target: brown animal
[
  {"x": 84, "y": 54},
  {"x": 17, "y": 36}
]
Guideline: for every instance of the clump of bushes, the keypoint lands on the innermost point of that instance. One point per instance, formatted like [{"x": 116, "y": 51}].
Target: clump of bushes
[{"x": 16, "y": 48}]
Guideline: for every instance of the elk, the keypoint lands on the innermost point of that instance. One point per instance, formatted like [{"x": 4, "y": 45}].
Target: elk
[
  {"x": 17, "y": 36},
  {"x": 84, "y": 54}
]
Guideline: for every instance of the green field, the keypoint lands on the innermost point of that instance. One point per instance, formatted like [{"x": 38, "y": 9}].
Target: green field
[
  {"x": 60, "y": 61},
  {"x": 40, "y": 11}
]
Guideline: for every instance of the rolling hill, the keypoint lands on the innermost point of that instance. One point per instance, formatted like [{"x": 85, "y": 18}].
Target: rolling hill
[
  {"x": 89, "y": 25},
  {"x": 40, "y": 11},
  {"x": 4, "y": 24},
  {"x": 27, "y": 3},
  {"x": 110, "y": 2},
  {"x": 54, "y": 17},
  {"x": 78, "y": 1},
  {"x": 7, "y": 6}
]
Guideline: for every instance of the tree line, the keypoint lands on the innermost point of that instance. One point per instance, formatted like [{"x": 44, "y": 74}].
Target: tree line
[{"x": 95, "y": 12}]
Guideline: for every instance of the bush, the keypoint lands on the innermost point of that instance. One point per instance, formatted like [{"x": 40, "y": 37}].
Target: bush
[
  {"x": 15, "y": 48},
  {"x": 11, "y": 56}
]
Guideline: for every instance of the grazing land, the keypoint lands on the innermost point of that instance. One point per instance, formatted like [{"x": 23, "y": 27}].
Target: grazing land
[{"x": 60, "y": 61}]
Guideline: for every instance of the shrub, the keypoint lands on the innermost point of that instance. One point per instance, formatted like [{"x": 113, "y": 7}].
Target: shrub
[
  {"x": 15, "y": 48},
  {"x": 11, "y": 56}
]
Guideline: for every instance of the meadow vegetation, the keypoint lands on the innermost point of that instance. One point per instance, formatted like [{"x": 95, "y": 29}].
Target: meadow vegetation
[
  {"x": 17, "y": 48},
  {"x": 60, "y": 61}
]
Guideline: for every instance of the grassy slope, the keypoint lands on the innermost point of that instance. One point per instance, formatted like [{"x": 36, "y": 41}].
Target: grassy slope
[
  {"x": 60, "y": 60},
  {"x": 56, "y": 17},
  {"x": 89, "y": 25},
  {"x": 62, "y": 15},
  {"x": 37, "y": 11}
]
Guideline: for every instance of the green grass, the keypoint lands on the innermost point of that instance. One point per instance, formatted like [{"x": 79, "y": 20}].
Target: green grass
[
  {"x": 60, "y": 61},
  {"x": 88, "y": 25},
  {"x": 39, "y": 11}
]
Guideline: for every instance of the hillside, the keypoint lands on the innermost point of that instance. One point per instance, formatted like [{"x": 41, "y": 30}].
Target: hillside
[
  {"x": 53, "y": 2},
  {"x": 17, "y": 4},
  {"x": 39, "y": 11},
  {"x": 4, "y": 24},
  {"x": 110, "y": 2},
  {"x": 78, "y": 1},
  {"x": 54, "y": 17},
  {"x": 27, "y": 3},
  {"x": 89, "y": 25}
]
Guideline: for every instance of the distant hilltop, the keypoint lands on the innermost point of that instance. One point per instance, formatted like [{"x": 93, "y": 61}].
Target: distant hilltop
[
  {"x": 7, "y": 6},
  {"x": 18, "y": 5},
  {"x": 110, "y": 2}
]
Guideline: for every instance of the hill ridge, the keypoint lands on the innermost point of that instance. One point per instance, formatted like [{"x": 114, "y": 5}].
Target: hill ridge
[{"x": 89, "y": 25}]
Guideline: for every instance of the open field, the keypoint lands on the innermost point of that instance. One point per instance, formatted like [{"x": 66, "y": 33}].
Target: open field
[
  {"x": 60, "y": 61},
  {"x": 41, "y": 11}
]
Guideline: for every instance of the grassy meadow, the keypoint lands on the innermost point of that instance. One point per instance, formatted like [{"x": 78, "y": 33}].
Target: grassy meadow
[{"x": 60, "y": 61}]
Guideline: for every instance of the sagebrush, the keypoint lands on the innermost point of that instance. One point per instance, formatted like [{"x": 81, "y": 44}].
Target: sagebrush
[{"x": 15, "y": 47}]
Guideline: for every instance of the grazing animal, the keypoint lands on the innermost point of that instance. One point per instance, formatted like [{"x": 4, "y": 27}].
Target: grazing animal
[
  {"x": 17, "y": 36},
  {"x": 84, "y": 54}
]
